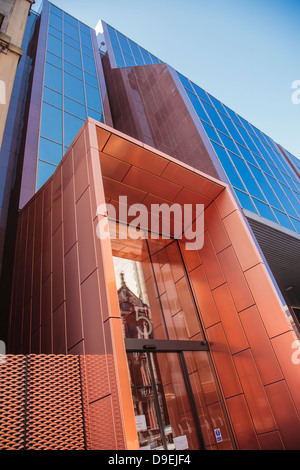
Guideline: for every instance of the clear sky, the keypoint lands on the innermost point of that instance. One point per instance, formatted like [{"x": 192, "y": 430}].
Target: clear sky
[{"x": 245, "y": 53}]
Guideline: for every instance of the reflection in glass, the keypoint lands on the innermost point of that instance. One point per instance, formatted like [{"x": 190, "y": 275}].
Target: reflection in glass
[
  {"x": 72, "y": 125},
  {"x": 45, "y": 170},
  {"x": 51, "y": 125},
  {"x": 50, "y": 151},
  {"x": 53, "y": 77},
  {"x": 73, "y": 88},
  {"x": 162, "y": 408}
]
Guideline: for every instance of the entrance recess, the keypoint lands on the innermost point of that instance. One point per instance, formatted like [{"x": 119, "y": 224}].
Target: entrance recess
[{"x": 176, "y": 398}]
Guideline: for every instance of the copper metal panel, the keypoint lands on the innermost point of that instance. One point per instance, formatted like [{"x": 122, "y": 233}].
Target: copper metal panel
[
  {"x": 86, "y": 237},
  {"x": 261, "y": 348},
  {"x": 255, "y": 394},
  {"x": 92, "y": 319},
  {"x": 289, "y": 363},
  {"x": 81, "y": 178},
  {"x": 189, "y": 179},
  {"x": 230, "y": 319},
  {"x": 271, "y": 441},
  {"x": 235, "y": 279},
  {"x": 69, "y": 221},
  {"x": 204, "y": 298},
  {"x": 59, "y": 330},
  {"x": 211, "y": 263},
  {"x": 135, "y": 155},
  {"x": 267, "y": 300},
  {"x": 57, "y": 199},
  {"x": 73, "y": 301},
  {"x": 242, "y": 423},
  {"x": 58, "y": 291},
  {"x": 216, "y": 229},
  {"x": 229, "y": 380},
  {"x": 285, "y": 414},
  {"x": 154, "y": 184},
  {"x": 191, "y": 257},
  {"x": 242, "y": 242}
]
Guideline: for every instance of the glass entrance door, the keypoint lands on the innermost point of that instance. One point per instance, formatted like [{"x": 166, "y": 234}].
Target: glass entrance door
[
  {"x": 176, "y": 400},
  {"x": 164, "y": 413}
]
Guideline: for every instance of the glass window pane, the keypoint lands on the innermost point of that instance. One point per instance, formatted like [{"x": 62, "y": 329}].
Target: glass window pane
[
  {"x": 89, "y": 64},
  {"x": 296, "y": 224},
  {"x": 45, "y": 170},
  {"x": 293, "y": 200},
  {"x": 84, "y": 28},
  {"x": 217, "y": 104},
  {"x": 146, "y": 57},
  {"x": 73, "y": 70},
  {"x": 247, "y": 177},
  {"x": 95, "y": 115},
  {"x": 54, "y": 45},
  {"x": 72, "y": 55},
  {"x": 233, "y": 131},
  {"x": 247, "y": 155},
  {"x": 215, "y": 118},
  {"x": 129, "y": 62},
  {"x": 185, "y": 82},
  {"x": 52, "y": 97},
  {"x": 232, "y": 114},
  {"x": 55, "y": 21},
  {"x": 70, "y": 19},
  {"x": 71, "y": 31},
  {"x": 245, "y": 201},
  {"x": 198, "y": 107},
  {"x": 51, "y": 125},
  {"x": 86, "y": 40},
  {"x": 119, "y": 60},
  {"x": 228, "y": 167},
  {"x": 71, "y": 42},
  {"x": 267, "y": 190},
  {"x": 211, "y": 133},
  {"x": 74, "y": 88},
  {"x": 201, "y": 93},
  {"x": 229, "y": 144},
  {"x": 53, "y": 77},
  {"x": 54, "y": 59},
  {"x": 284, "y": 220},
  {"x": 55, "y": 10},
  {"x": 50, "y": 151},
  {"x": 281, "y": 196},
  {"x": 93, "y": 97},
  {"x": 264, "y": 210},
  {"x": 91, "y": 79},
  {"x": 72, "y": 125},
  {"x": 137, "y": 55},
  {"x": 55, "y": 32},
  {"x": 87, "y": 51},
  {"x": 74, "y": 108}
]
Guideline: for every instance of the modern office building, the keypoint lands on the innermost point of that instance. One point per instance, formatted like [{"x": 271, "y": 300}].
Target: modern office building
[{"x": 126, "y": 338}]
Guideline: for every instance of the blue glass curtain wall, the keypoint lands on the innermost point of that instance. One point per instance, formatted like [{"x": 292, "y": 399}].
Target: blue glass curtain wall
[{"x": 71, "y": 90}]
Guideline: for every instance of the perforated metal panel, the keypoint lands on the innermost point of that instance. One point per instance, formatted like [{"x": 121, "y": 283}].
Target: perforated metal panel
[
  {"x": 54, "y": 417},
  {"x": 41, "y": 403},
  {"x": 12, "y": 402}
]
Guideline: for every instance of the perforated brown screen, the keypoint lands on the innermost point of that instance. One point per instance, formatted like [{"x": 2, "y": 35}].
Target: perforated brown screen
[{"x": 41, "y": 403}]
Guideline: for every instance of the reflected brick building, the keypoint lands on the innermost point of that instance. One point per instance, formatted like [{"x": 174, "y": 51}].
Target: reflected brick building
[{"x": 201, "y": 351}]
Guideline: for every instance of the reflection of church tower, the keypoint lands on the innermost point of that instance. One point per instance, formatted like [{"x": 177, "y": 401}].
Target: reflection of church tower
[{"x": 135, "y": 313}]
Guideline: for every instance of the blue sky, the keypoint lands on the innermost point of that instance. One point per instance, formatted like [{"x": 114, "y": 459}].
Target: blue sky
[{"x": 245, "y": 53}]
